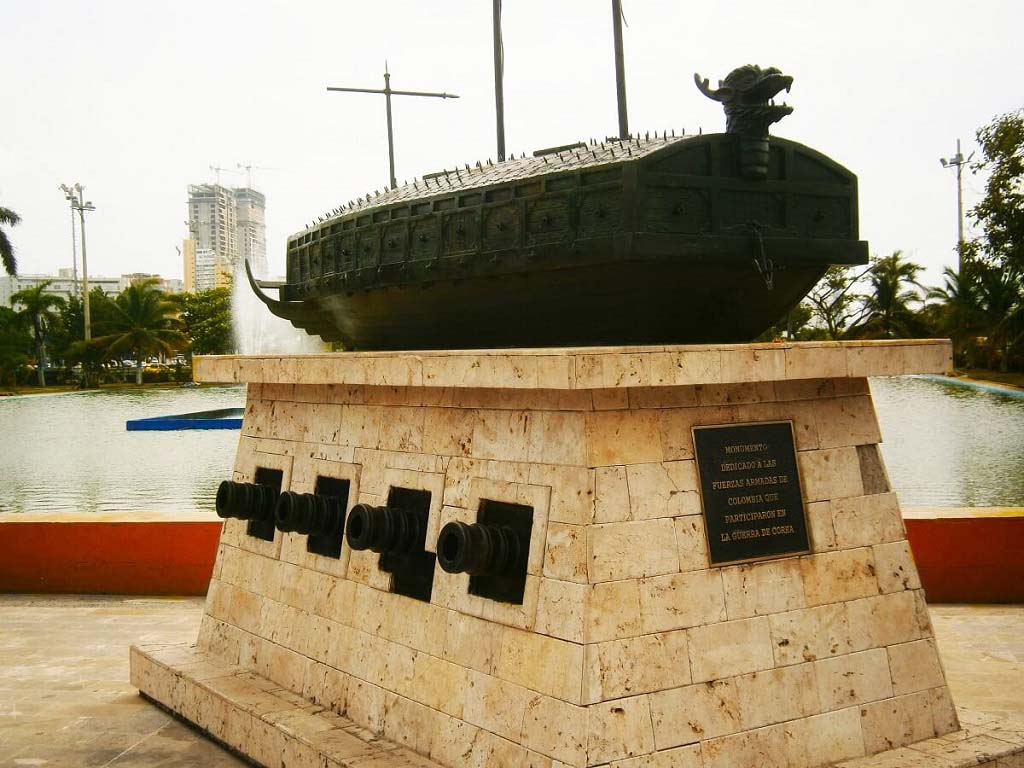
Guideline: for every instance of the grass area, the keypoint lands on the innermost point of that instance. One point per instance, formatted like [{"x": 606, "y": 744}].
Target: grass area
[{"x": 1009, "y": 379}]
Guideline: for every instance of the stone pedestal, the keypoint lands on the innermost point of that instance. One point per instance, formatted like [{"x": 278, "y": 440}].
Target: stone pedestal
[{"x": 629, "y": 648}]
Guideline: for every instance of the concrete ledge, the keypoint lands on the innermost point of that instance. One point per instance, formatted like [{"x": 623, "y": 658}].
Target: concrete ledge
[
  {"x": 277, "y": 728},
  {"x": 121, "y": 554},
  {"x": 249, "y": 714},
  {"x": 588, "y": 367}
]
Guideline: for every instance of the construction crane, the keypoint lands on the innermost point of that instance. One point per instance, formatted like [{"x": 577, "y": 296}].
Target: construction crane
[
  {"x": 250, "y": 168},
  {"x": 217, "y": 169}
]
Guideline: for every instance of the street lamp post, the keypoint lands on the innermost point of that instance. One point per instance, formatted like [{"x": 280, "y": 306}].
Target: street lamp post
[
  {"x": 69, "y": 196},
  {"x": 78, "y": 203},
  {"x": 958, "y": 161}
]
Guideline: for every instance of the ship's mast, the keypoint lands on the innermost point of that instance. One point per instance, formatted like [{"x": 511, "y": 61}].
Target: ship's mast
[
  {"x": 388, "y": 92},
  {"x": 499, "y": 74},
  {"x": 620, "y": 69}
]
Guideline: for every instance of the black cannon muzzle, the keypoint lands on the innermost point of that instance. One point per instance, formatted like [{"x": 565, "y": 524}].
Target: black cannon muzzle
[
  {"x": 307, "y": 513},
  {"x": 246, "y": 501},
  {"x": 384, "y": 529},
  {"x": 478, "y": 549}
]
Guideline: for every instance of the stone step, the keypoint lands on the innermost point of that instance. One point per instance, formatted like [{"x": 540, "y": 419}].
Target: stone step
[
  {"x": 257, "y": 718},
  {"x": 278, "y": 728}
]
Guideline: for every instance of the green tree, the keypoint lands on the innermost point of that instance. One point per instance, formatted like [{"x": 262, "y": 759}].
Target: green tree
[
  {"x": 37, "y": 307},
  {"x": 834, "y": 301},
  {"x": 962, "y": 312},
  {"x": 1000, "y": 214},
  {"x": 71, "y": 328},
  {"x": 143, "y": 321},
  {"x": 1003, "y": 302},
  {"x": 893, "y": 286},
  {"x": 8, "y": 218},
  {"x": 207, "y": 318},
  {"x": 15, "y": 346}
]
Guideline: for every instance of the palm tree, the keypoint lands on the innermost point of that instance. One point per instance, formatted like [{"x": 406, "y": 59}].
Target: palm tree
[
  {"x": 38, "y": 307},
  {"x": 962, "y": 308},
  {"x": 894, "y": 286},
  {"x": 142, "y": 321},
  {"x": 1003, "y": 302},
  {"x": 8, "y": 218}
]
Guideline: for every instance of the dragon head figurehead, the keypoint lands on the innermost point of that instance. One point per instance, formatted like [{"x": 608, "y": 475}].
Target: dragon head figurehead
[{"x": 748, "y": 96}]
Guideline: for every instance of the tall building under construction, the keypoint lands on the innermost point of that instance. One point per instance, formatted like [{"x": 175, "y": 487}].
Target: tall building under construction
[{"x": 226, "y": 227}]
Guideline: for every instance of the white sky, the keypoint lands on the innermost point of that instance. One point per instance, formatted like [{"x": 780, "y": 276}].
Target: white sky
[{"x": 136, "y": 100}]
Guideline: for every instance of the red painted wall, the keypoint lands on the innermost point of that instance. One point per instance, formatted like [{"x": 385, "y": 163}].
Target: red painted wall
[
  {"x": 962, "y": 560},
  {"x": 121, "y": 558},
  {"x": 969, "y": 559}
]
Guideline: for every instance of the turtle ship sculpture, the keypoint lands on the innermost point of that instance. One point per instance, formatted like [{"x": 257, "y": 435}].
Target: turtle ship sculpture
[{"x": 652, "y": 239}]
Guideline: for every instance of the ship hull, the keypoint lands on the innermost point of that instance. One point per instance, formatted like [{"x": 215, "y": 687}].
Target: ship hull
[{"x": 627, "y": 303}]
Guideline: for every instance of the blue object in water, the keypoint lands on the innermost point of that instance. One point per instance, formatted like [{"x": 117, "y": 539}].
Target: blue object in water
[
  {"x": 222, "y": 418},
  {"x": 1009, "y": 391}
]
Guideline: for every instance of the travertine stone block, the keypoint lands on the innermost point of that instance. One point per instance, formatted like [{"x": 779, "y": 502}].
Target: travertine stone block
[
  {"x": 621, "y": 668},
  {"x": 622, "y": 437},
  {"x": 631, "y": 550},
  {"x": 730, "y": 648},
  {"x": 613, "y": 611},
  {"x": 777, "y": 695},
  {"x": 757, "y": 589},
  {"x": 562, "y": 610},
  {"x": 895, "y": 567},
  {"x": 620, "y": 728},
  {"x": 662, "y": 490},
  {"x": 915, "y": 666},
  {"x": 856, "y": 678},
  {"x": 543, "y": 664},
  {"x": 611, "y": 504},
  {"x": 683, "y": 600},
  {"x": 896, "y": 722},
  {"x": 496, "y": 705},
  {"x": 565, "y": 555},
  {"x": 556, "y": 729},
  {"x": 883, "y": 620},
  {"x": 865, "y": 520},
  {"x": 833, "y": 473},
  {"x": 833, "y": 577},
  {"x": 820, "y": 527},
  {"x": 826, "y": 738},
  {"x": 810, "y": 634},
  {"x": 691, "y": 542},
  {"x": 695, "y": 713},
  {"x": 847, "y": 421}
]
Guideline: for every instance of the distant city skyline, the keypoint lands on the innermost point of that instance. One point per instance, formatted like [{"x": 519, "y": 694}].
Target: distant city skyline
[
  {"x": 226, "y": 227},
  {"x": 122, "y": 97},
  {"x": 64, "y": 283}
]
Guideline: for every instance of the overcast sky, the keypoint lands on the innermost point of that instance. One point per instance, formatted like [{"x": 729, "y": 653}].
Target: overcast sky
[{"x": 136, "y": 100}]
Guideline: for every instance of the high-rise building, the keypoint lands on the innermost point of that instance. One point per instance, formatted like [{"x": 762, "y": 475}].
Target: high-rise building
[
  {"x": 226, "y": 227},
  {"x": 251, "y": 228}
]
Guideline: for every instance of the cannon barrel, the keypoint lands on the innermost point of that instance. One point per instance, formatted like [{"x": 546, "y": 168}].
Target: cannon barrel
[
  {"x": 384, "y": 529},
  {"x": 307, "y": 513},
  {"x": 245, "y": 501},
  {"x": 478, "y": 549}
]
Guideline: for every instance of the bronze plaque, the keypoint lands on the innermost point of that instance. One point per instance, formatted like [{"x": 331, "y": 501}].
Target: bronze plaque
[{"x": 750, "y": 491}]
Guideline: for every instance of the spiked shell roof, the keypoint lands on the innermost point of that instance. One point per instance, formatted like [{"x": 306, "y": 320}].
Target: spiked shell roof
[{"x": 544, "y": 161}]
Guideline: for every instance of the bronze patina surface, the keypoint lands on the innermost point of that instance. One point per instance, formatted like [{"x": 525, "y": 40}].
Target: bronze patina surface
[{"x": 641, "y": 240}]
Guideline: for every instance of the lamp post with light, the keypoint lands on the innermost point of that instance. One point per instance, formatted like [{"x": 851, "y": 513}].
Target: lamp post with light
[{"x": 78, "y": 203}]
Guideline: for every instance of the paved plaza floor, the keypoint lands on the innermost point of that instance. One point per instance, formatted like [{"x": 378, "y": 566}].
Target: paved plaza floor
[{"x": 65, "y": 699}]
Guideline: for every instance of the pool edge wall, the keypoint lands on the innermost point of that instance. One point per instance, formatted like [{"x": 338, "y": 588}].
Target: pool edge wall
[
  {"x": 962, "y": 555},
  {"x": 69, "y": 554}
]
